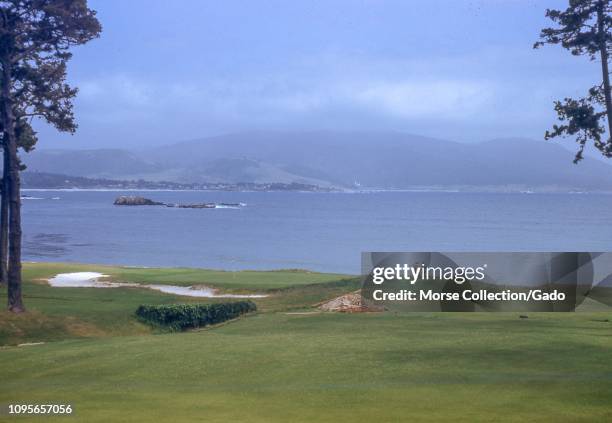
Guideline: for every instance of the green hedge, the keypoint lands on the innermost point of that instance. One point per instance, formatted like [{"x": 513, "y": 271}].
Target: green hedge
[{"x": 184, "y": 316}]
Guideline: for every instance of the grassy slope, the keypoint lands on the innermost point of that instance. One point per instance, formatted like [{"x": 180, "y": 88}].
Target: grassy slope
[
  {"x": 331, "y": 367},
  {"x": 318, "y": 367},
  {"x": 239, "y": 280},
  {"x": 60, "y": 313}
]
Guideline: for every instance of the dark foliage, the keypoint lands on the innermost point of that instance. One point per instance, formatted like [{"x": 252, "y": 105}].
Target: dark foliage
[
  {"x": 584, "y": 28},
  {"x": 185, "y": 316},
  {"x": 35, "y": 41}
]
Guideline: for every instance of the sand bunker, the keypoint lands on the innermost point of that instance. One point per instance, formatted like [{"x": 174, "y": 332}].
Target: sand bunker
[
  {"x": 92, "y": 280},
  {"x": 79, "y": 280},
  {"x": 191, "y": 291},
  {"x": 348, "y": 303}
]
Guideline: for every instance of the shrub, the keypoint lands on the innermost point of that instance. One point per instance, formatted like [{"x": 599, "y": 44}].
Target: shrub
[{"x": 184, "y": 316}]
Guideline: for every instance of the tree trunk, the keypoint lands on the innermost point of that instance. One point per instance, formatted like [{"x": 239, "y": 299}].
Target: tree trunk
[
  {"x": 4, "y": 208},
  {"x": 603, "y": 50},
  {"x": 15, "y": 302}
]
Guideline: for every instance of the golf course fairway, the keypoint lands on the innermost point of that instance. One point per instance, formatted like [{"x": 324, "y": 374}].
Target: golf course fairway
[{"x": 291, "y": 363}]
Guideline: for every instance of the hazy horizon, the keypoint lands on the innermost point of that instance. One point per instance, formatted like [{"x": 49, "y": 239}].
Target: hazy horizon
[
  {"x": 201, "y": 69},
  {"x": 272, "y": 132}
]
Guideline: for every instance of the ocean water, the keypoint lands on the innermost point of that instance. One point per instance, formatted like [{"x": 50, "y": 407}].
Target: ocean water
[{"x": 315, "y": 231}]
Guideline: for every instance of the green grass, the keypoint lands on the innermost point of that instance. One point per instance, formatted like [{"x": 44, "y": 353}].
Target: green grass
[
  {"x": 279, "y": 367},
  {"x": 331, "y": 367},
  {"x": 238, "y": 280},
  {"x": 60, "y": 313}
]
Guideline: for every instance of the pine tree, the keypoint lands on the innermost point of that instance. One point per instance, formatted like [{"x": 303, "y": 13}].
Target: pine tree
[
  {"x": 584, "y": 28},
  {"x": 35, "y": 41}
]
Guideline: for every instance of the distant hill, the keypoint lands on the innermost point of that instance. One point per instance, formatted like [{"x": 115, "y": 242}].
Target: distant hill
[
  {"x": 101, "y": 163},
  {"x": 384, "y": 160},
  {"x": 42, "y": 180}
]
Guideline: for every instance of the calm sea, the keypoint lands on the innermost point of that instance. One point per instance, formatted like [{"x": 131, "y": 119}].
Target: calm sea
[{"x": 316, "y": 231}]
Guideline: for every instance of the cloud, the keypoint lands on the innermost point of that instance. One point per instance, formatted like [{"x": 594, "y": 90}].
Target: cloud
[
  {"x": 118, "y": 90},
  {"x": 305, "y": 86},
  {"x": 425, "y": 99},
  {"x": 331, "y": 90}
]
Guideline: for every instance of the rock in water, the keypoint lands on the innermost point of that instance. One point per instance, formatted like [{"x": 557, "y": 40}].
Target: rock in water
[
  {"x": 197, "y": 206},
  {"x": 128, "y": 200}
]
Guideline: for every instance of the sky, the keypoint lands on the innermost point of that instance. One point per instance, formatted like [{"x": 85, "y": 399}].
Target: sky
[{"x": 163, "y": 72}]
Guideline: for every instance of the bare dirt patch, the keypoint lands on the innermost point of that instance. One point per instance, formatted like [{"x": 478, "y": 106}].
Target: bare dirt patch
[
  {"x": 79, "y": 328},
  {"x": 348, "y": 303}
]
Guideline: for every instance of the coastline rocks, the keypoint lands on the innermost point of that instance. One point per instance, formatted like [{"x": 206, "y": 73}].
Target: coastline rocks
[
  {"x": 207, "y": 205},
  {"x": 128, "y": 200},
  {"x": 193, "y": 206}
]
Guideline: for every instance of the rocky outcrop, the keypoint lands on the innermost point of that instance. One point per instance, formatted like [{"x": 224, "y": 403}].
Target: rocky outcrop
[
  {"x": 129, "y": 200},
  {"x": 348, "y": 303},
  {"x": 193, "y": 206}
]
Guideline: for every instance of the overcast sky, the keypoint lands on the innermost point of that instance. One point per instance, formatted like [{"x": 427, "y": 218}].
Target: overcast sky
[{"x": 163, "y": 72}]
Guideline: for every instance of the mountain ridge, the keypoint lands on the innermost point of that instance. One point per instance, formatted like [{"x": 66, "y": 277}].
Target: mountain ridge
[{"x": 373, "y": 159}]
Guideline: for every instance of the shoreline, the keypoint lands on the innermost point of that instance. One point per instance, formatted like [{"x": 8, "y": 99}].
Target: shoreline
[{"x": 339, "y": 191}]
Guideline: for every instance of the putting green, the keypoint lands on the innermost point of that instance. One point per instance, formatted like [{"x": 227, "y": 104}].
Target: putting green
[{"x": 276, "y": 366}]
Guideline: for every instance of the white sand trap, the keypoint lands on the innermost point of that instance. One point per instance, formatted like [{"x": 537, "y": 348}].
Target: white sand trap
[
  {"x": 78, "y": 280},
  {"x": 191, "y": 291},
  {"x": 91, "y": 280}
]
